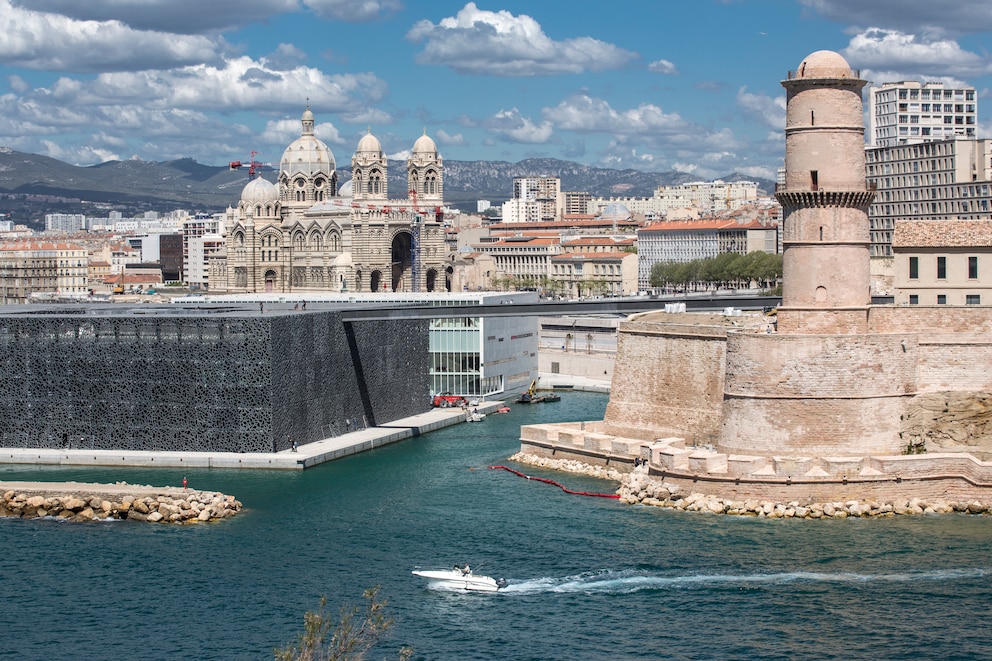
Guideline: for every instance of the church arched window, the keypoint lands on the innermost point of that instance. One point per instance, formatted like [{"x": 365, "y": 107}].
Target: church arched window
[
  {"x": 258, "y": 210},
  {"x": 298, "y": 241},
  {"x": 375, "y": 182},
  {"x": 430, "y": 183},
  {"x": 316, "y": 241}
]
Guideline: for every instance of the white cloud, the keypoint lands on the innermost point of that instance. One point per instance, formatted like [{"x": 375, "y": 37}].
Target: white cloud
[
  {"x": 284, "y": 131},
  {"x": 511, "y": 126},
  {"x": 240, "y": 83},
  {"x": 476, "y": 41},
  {"x": 353, "y": 10},
  {"x": 446, "y": 139},
  {"x": 37, "y": 40},
  {"x": 891, "y": 50},
  {"x": 663, "y": 66},
  {"x": 583, "y": 113},
  {"x": 767, "y": 109},
  {"x": 366, "y": 115},
  {"x": 18, "y": 84}
]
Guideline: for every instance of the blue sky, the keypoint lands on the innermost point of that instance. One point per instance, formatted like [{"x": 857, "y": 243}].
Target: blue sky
[{"x": 655, "y": 85}]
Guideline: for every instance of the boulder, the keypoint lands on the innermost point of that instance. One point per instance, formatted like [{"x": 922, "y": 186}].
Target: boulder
[{"x": 154, "y": 517}]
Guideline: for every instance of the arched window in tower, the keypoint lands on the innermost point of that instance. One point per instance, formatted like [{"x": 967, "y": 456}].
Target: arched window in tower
[
  {"x": 298, "y": 241},
  {"x": 258, "y": 210},
  {"x": 415, "y": 182},
  {"x": 375, "y": 182},
  {"x": 814, "y": 180},
  {"x": 430, "y": 183},
  {"x": 316, "y": 241},
  {"x": 335, "y": 242}
]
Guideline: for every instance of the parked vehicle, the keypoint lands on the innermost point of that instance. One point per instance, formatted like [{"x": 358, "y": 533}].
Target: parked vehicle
[{"x": 447, "y": 400}]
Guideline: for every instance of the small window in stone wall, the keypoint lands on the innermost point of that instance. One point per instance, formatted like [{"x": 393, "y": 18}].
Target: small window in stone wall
[
  {"x": 941, "y": 299},
  {"x": 973, "y": 299},
  {"x": 914, "y": 299},
  {"x": 973, "y": 268},
  {"x": 914, "y": 268},
  {"x": 555, "y": 369},
  {"x": 941, "y": 268}
]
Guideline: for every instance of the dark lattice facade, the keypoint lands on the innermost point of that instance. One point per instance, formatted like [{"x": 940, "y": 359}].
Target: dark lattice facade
[{"x": 240, "y": 382}]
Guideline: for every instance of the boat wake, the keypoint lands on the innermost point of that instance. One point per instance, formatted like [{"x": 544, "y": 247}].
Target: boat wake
[{"x": 629, "y": 581}]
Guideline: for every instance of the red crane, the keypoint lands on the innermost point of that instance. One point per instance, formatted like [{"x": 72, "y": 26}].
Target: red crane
[{"x": 253, "y": 165}]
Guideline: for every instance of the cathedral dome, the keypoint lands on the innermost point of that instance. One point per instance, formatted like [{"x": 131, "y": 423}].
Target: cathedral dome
[
  {"x": 824, "y": 64},
  {"x": 260, "y": 191},
  {"x": 307, "y": 154},
  {"x": 369, "y": 144},
  {"x": 424, "y": 145}
]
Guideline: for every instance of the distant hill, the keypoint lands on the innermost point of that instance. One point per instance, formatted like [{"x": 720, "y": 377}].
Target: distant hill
[{"x": 31, "y": 184}]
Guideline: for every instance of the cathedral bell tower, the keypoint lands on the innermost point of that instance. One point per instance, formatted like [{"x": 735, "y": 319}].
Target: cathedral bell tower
[{"x": 825, "y": 200}]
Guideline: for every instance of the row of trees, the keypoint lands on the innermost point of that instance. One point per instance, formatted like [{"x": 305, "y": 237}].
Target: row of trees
[{"x": 726, "y": 271}]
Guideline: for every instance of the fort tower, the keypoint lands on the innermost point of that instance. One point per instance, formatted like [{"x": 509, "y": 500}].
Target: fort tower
[{"x": 825, "y": 200}]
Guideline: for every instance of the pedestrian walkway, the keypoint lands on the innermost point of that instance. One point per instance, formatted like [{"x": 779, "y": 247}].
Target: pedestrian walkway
[{"x": 306, "y": 456}]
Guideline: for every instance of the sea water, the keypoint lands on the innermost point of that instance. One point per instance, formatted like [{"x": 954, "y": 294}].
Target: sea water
[{"x": 589, "y": 578}]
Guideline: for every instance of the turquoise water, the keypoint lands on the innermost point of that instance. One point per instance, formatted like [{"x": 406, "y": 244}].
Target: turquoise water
[{"x": 589, "y": 578}]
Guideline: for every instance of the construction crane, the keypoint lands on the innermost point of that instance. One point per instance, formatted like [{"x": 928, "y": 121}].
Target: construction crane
[{"x": 253, "y": 166}]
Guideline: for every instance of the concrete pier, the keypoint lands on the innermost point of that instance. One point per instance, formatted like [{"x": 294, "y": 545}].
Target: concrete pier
[{"x": 306, "y": 456}]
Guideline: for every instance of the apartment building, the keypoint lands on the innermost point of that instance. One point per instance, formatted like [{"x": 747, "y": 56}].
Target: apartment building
[
  {"x": 65, "y": 222},
  {"x": 42, "y": 267},
  {"x": 910, "y": 111},
  {"x": 544, "y": 193},
  {"x": 704, "y": 197},
  {"x": 685, "y": 241},
  {"x": 938, "y": 180},
  {"x": 946, "y": 262}
]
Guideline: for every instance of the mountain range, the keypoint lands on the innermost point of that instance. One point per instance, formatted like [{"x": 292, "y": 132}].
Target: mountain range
[{"x": 32, "y": 185}]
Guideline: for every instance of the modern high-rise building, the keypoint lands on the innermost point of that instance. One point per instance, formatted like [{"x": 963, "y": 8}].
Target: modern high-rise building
[
  {"x": 545, "y": 191},
  {"x": 65, "y": 222},
  {"x": 909, "y": 111},
  {"x": 942, "y": 180}
]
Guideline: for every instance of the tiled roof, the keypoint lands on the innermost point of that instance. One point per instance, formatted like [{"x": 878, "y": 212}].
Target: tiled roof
[
  {"x": 942, "y": 233},
  {"x": 38, "y": 245}
]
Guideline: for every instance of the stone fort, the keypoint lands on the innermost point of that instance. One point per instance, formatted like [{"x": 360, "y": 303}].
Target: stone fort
[{"x": 844, "y": 399}]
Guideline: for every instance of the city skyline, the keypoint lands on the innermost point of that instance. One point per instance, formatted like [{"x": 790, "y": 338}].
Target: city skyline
[{"x": 662, "y": 86}]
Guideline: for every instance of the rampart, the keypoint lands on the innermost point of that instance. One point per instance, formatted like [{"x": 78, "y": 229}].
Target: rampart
[
  {"x": 231, "y": 381},
  {"x": 668, "y": 377}
]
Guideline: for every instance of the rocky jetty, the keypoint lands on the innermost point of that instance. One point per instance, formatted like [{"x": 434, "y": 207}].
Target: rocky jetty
[
  {"x": 639, "y": 488},
  {"x": 569, "y": 466},
  {"x": 75, "y": 501}
]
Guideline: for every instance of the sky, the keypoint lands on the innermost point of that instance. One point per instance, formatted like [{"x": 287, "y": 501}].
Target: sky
[{"x": 654, "y": 85}]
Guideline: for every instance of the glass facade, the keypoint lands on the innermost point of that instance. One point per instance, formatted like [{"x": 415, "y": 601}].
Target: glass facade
[{"x": 456, "y": 360}]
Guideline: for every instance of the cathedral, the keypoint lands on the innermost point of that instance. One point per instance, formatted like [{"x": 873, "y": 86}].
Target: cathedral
[{"x": 306, "y": 233}]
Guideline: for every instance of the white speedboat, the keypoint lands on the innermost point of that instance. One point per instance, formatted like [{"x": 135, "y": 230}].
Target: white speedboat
[{"x": 459, "y": 578}]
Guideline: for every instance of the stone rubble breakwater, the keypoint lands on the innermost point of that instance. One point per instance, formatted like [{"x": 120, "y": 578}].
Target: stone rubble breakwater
[
  {"x": 75, "y": 501},
  {"x": 638, "y": 488}
]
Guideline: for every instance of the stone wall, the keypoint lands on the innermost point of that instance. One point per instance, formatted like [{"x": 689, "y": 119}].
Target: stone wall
[
  {"x": 818, "y": 394},
  {"x": 221, "y": 381},
  {"x": 939, "y": 318},
  {"x": 669, "y": 379}
]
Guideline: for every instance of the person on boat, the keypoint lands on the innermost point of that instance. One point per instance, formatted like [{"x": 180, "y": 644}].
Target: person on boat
[{"x": 466, "y": 570}]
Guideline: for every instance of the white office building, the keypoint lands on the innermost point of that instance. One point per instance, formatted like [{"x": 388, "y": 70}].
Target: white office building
[{"x": 909, "y": 112}]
